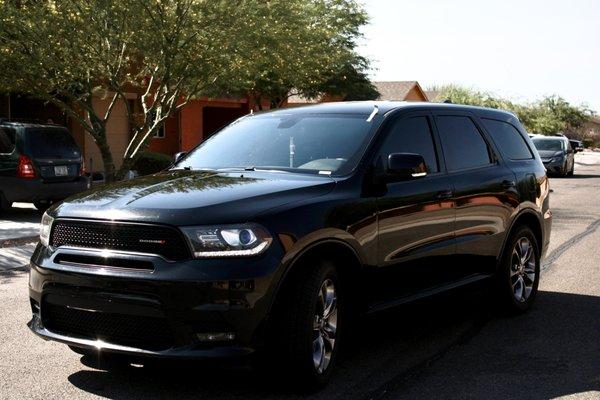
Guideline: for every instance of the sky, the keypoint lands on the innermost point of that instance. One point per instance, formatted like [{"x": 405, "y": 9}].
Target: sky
[{"x": 520, "y": 49}]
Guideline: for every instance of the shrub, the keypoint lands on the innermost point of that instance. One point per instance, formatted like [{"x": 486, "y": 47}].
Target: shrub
[{"x": 150, "y": 163}]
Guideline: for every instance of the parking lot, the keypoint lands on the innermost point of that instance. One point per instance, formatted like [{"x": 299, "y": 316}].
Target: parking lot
[{"x": 450, "y": 347}]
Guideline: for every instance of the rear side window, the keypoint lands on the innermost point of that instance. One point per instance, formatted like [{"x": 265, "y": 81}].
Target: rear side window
[
  {"x": 508, "y": 139},
  {"x": 7, "y": 140},
  {"x": 463, "y": 145},
  {"x": 412, "y": 135},
  {"x": 53, "y": 143}
]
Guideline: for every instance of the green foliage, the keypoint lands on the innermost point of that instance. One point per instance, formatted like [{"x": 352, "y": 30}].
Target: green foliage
[
  {"x": 149, "y": 163},
  {"x": 70, "y": 53},
  {"x": 297, "y": 47},
  {"x": 550, "y": 115},
  {"x": 351, "y": 82}
]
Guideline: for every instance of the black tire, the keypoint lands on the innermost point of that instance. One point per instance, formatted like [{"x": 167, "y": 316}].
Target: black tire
[
  {"x": 563, "y": 171},
  {"x": 5, "y": 205},
  {"x": 508, "y": 273},
  {"x": 295, "y": 326},
  {"x": 572, "y": 170},
  {"x": 42, "y": 205}
]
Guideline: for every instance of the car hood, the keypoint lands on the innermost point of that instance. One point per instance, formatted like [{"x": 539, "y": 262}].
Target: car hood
[
  {"x": 181, "y": 197},
  {"x": 549, "y": 153}
]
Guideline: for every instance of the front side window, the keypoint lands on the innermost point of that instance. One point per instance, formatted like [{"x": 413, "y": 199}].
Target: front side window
[
  {"x": 508, "y": 139},
  {"x": 463, "y": 145},
  {"x": 7, "y": 140},
  {"x": 331, "y": 143},
  {"x": 411, "y": 135}
]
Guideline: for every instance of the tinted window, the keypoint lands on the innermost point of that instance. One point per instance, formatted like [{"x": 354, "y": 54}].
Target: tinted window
[
  {"x": 508, "y": 139},
  {"x": 548, "y": 144},
  {"x": 50, "y": 143},
  {"x": 411, "y": 135},
  {"x": 463, "y": 145},
  {"x": 7, "y": 140},
  {"x": 295, "y": 143}
]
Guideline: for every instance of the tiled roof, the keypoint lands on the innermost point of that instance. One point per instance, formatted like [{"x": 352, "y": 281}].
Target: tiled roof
[{"x": 396, "y": 90}]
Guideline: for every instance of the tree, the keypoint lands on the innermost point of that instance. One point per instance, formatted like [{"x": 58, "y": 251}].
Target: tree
[
  {"x": 301, "y": 47},
  {"x": 554, "y": 114},
  {"x": 70, "y": 53},
  {"x": 550, "y": 115},
  {"x": 350, "y": 82}
]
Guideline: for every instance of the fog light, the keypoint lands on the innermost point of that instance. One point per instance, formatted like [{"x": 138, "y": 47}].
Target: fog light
[{"x": 216, "y": 336}]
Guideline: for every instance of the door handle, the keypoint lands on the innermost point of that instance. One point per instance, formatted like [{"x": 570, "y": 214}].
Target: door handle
[
  {"x": 444, "y": 194},
  {"x": 508, "y": 184}
]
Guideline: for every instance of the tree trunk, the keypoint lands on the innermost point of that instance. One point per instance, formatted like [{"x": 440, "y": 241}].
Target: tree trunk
[{"x": 107, "y": 158}]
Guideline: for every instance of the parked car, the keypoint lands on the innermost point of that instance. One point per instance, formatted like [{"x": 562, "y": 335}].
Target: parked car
[
  {"x": 272, "y": 235},
  {"x": 577, "y": 145},
  {"x": 556, "y": 154},
  {"x": 39, "y": 164}
]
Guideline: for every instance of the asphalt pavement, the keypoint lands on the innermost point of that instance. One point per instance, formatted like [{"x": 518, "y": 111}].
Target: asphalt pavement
[{"x": 450, "y": 347}]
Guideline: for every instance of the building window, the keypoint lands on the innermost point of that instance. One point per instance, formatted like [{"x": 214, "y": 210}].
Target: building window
[{"x": 160, "y": 133}]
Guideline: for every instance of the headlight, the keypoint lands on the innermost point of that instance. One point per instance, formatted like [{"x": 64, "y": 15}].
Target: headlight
[
  {"x": 227, "y": 240},
  {"x": 45, "y": 228}
]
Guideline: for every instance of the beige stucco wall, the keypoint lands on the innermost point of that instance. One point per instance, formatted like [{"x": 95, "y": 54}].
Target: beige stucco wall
[{"x": 117, "y": 133}]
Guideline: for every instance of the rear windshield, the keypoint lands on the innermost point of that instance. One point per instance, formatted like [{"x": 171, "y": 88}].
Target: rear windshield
[
  {"x": 50, "y": 143},
  {"x": 548, "y": 144}
]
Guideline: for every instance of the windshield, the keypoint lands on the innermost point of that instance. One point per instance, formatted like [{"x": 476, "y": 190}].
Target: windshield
[
  {"x": 325, "y": 143},
  {"x": 51, "y": 143},
  {"x": 548, "y": 144}
]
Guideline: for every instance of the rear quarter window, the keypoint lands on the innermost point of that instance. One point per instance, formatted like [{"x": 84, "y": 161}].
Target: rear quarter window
[
  {"x": 508, "y": 139},
  {"x": 7, "y": 140}
]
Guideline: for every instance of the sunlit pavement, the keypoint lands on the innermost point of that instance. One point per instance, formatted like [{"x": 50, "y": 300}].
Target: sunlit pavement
[
  {"x": 22, "y": 220},
  {"x": 445, "y": 348}
]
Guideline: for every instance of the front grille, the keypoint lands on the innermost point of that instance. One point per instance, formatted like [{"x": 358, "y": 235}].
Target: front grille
[
  {"x": 102, "y": 262},
  {"x": 154, "y": 239},
  {"x": 148, "y": 333}
]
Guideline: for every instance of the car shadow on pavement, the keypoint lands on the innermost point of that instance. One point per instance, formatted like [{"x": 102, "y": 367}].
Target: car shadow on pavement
[{"x": 448, "y": 347}]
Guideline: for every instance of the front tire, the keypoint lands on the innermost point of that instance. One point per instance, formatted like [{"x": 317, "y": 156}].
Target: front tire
[
  {"x": 572, "y": 170},
  {"x": 309, "y": 325},
  {"x": 517, "y": 277}
]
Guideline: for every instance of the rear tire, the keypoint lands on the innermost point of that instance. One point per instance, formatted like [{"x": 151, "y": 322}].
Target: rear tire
[
  {"x": 307, "y": 326},
  {"x": 518, "y": 275}
]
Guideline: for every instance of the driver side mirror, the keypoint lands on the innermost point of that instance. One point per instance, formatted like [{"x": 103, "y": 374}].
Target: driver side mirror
[
  {"x": 179, "y": 156},
  {"x": 404, "y": 166}
]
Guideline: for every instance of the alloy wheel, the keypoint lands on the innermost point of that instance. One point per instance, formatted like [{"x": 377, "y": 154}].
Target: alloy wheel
[
  {"x": 522, "y": 269},
  {"x": 324, "y": 326}
]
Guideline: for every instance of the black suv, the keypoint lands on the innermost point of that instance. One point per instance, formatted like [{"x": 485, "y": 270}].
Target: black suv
[
  {"x": 277, "y": 231},
  {"x": 39, "y": 164}
]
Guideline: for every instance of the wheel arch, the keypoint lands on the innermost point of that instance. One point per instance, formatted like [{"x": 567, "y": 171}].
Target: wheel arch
[
  {"x": 343, "y": 254},
  {"x": 528, "y": 218}
]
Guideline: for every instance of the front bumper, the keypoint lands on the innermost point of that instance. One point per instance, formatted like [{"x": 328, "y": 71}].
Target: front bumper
[
  {"x": 192, "y": 309},
  {"x": 554, "y": 167}
]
